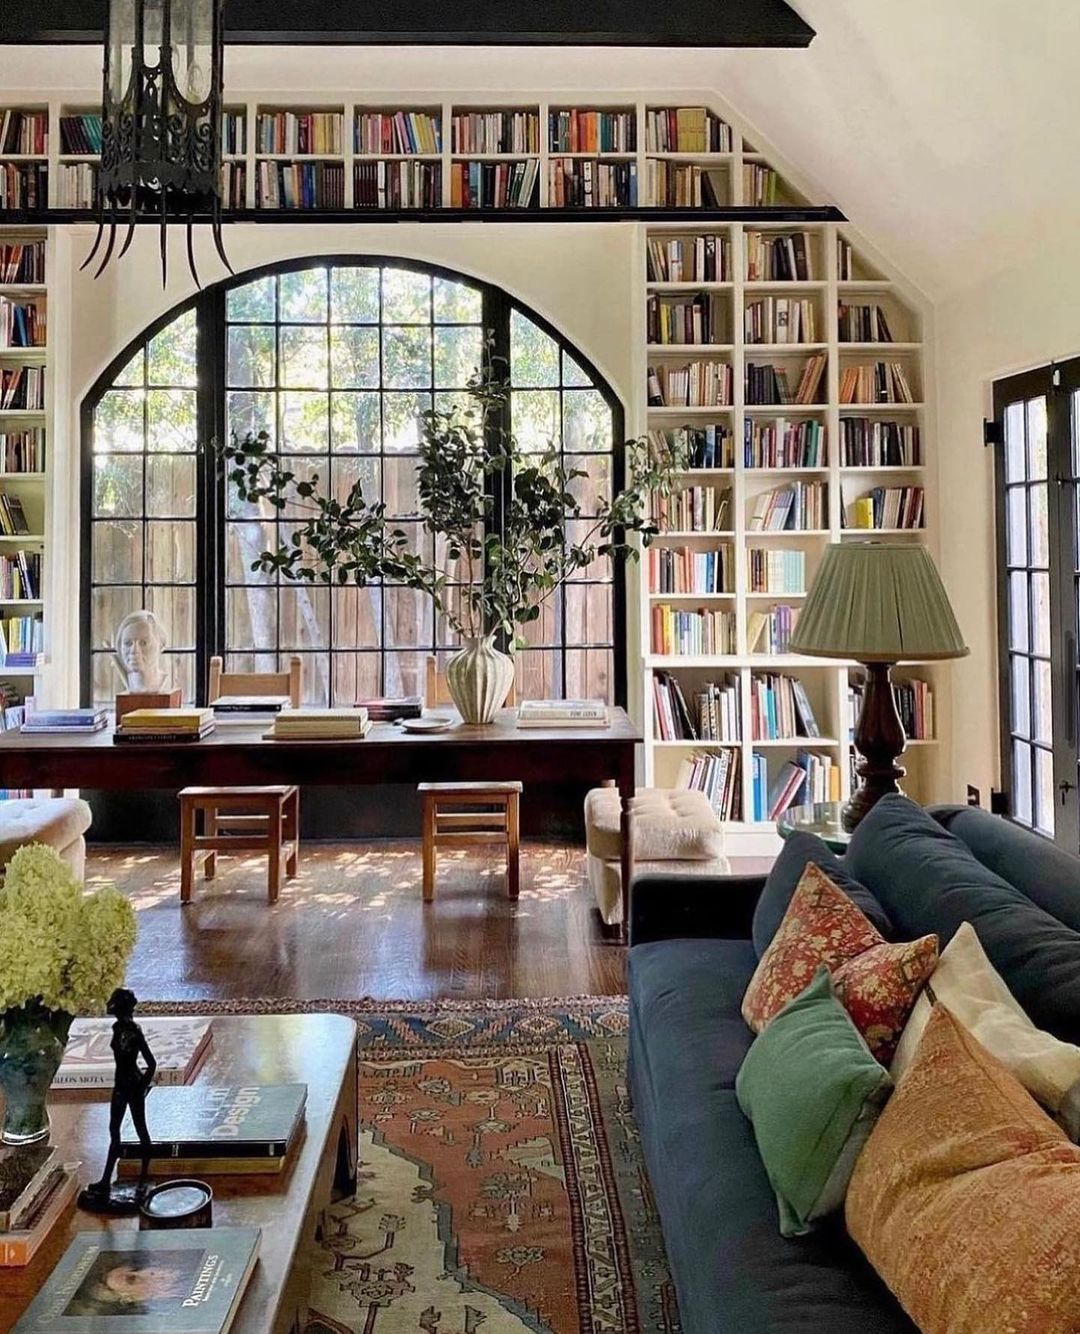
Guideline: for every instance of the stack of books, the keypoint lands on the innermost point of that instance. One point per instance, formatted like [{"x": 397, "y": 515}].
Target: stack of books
[
  {"x": 247, "y": 710},
  {"x": 179, "y": 1046},
  {"x": 320, "y": 725},
  {"x": 141, "y": 725},
  {"x": 388, "y": 710},
  {"x": 563, "y": 713},
  {"x": 200, "y": 1130},
  {"x": 36, "y": 1190},
  {"x": 65, "y": 720}
]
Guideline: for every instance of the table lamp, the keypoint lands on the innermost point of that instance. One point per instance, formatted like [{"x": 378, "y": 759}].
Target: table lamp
[{"x": 878, "y": 603}]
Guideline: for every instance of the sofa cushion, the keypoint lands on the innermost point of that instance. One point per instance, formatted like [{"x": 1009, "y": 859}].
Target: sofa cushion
[
  {"x": 967, "y": 1196},
  {"x": 785, "y": 874},
  {"x": 1047, "y": 874},
  {"x": 733, "y": 1272},
  {"x": 813, "y": 1092},
  {"x": 686, "y": 996},
  {"x": 675, "y": 825},
  {"x": 876, "y": 982},
  {"x": 56, "y": 821},
  {"x": 928, "y": 880}
]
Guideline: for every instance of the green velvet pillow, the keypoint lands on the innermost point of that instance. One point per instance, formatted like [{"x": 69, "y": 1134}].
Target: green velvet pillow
[{"x": 813, "y": 1092}]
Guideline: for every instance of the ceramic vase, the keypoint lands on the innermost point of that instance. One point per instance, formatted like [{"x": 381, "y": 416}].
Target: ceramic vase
[
  {"x": 32, "y": 1042},
  {"x": 479, "y": 678}
]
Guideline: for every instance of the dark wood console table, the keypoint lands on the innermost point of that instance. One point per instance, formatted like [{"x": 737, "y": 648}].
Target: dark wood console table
[{"x": 242, "y": 756}]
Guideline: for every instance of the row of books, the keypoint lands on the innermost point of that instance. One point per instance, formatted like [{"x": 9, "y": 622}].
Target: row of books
[
  {"x": 887, "y": 507},
  {"x": 698, "y": 319},
  {"x": 780, "y": 319},
  {"x": 689, "y": 259},
  {"x": 802, "y": 781},
  {"x": 494, "y": 184},
  {"x": 699, "y": 447},
  {"x": 711, "y": 714},
  {"x": 767, "y": 384},
  {"x": 575, "y": 131},
  {"x": 300, "y": 185},
  {"x": 794, "y": 508},
  {"x": 22, "y": 641},
  {"x": 37, "y": 1191},
  {"x": 397, "y": 132},
  {"x": 760, "y": 185},
  {"x": 686, "y": 130},
  {"x": 22, "y": 451},
  {"x": 863, "y": 324},
  {"x": 233, "y": 137},
  {"x": 914, "y": 703},
  {"x": 141, "y": 726},
  {"x": 704, "y": 384},
  {"x": 22, "y": 262},
  {"x": 22, "y": 323},
  {"x": 773, "y": 571},
  {"x": 780, "y": 708},
  {"x": 845, "y": 260},
  {"x": 20, "y": 576},
  {"x": 61, "y": 721},
  {"x": 22, "y": 387},
  {"x": 683, "y": 185},
  {"x": 581, "y": 183},
  {"x": 76, "y": 185},
  {"x": 694, "y": 509},
  {"x": 24, "y": 132},
  {"x": 12, "y": 708},
  {"x": 778, "y": 257},
  {"x": 868, "y": 442},
  {"x": 677, "y": 632},
  {"x": 879, "y": 382},
  {"x": 299, "y": 132},
  {"x": 398, "y": 185},
  {"x": 783, "y": 444},
  {"x": 24, "y": 185},
  {"x": 770, "y": 631},
  {"x": 687, "y": 570},
  {"x": 81, "y": 133},
  {"x": 716, "y": 773},
  {"x": 234, "y": 185},
  {"x": 495, "y": 132}
]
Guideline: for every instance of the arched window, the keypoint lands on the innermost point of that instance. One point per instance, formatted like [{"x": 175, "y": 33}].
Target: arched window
[{"x": 335, "y": 359}]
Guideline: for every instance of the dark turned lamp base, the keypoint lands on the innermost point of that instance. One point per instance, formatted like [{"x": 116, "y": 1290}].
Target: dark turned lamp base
[{"x": 880, "y": 741}]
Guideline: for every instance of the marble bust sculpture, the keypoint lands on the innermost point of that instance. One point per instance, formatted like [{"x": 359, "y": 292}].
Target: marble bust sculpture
[{"x": 139, "y": 646}]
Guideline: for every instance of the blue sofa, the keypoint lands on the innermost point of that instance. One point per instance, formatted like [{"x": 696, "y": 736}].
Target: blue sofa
[{"x": 693, "y": 948}]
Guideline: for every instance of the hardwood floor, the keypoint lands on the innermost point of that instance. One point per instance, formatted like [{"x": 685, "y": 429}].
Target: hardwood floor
[{"x": 352, "y": 925}]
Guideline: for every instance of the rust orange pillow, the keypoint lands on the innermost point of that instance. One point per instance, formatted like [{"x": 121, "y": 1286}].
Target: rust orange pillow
[
  {"x": 966, "y": 1197},
  {"x": 876, "y": 982}
]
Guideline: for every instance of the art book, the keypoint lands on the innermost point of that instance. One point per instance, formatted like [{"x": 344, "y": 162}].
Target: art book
[
  {"x": 179, "y": 1046},
  {"x": 233, "y": 1122},
  {"x": 187, "y": 1282}
]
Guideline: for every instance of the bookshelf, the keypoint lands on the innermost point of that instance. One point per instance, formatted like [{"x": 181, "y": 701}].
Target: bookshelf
[{"x": 786, "y": 295}]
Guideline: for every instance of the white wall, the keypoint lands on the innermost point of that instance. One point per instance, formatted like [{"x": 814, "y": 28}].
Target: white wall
[{"x": 1022, "y": 318}]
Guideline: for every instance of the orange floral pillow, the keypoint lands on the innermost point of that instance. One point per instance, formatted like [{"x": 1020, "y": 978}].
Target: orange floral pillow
[{"x": 876, "y": 982}]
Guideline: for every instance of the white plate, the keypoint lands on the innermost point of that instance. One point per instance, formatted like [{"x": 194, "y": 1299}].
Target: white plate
[{"x": 434, "y": 722}]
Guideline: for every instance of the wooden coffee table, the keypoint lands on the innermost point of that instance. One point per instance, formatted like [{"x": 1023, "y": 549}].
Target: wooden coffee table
[{"x": 318, "y": 1050}]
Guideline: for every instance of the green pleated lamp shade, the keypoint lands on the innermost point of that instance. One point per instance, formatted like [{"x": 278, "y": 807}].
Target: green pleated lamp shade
[{"x": 877, "y": 602}]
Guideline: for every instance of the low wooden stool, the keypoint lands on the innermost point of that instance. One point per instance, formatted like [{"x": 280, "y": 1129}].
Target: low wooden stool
[
  {"x": 240, "y": 819},
  {"x": 456, "y": 827}
]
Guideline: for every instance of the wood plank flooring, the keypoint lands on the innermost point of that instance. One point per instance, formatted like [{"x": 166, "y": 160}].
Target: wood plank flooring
[{"x": 352, "y": 925}]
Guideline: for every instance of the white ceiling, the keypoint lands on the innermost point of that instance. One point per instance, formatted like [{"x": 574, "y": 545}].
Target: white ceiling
[{"x": 947, "y": 130}]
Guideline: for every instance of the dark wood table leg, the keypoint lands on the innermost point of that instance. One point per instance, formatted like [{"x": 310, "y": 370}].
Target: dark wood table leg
[{"x": 626, "y": 829}]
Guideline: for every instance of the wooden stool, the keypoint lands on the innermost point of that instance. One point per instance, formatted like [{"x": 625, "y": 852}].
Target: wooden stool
[
  {"x": 265, "y": 819},
  {"x": 456, "y": 828}
]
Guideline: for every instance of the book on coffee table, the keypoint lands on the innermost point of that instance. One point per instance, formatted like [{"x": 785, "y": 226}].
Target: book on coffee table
[
  {"x": 23, "y": 1173},
  {"x": 179, "y": 1046},
  {"x": 127, "y": 1282},
  {"x": 53, "y": 1198}
]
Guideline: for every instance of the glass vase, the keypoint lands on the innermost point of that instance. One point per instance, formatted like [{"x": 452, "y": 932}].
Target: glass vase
[{"x": 32, "y": 1041}]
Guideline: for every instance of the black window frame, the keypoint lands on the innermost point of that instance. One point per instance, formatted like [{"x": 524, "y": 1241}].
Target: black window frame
[{"x": 209, "y": 305}]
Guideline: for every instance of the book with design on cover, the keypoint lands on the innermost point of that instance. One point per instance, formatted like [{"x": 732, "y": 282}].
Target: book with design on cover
[
  {"x": 178, "y": 1046},
  {"x": 252, "y": 1121},
  {"x": 188, "y": 1282}
]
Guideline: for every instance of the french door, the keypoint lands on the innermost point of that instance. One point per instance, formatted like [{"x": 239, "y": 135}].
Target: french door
[{"x": 1037, "y": 415}]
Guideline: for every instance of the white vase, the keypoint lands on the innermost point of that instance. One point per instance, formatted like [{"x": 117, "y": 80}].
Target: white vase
[{"x": 479, "y": 678}]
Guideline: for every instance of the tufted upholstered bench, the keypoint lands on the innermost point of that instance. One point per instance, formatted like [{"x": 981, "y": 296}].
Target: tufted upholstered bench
[
  {"x": 60, "y": 822},
  {"x": 671, "y": 831}
]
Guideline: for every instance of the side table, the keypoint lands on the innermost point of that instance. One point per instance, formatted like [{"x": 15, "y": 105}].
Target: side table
[{"x": 823, "y": 819}]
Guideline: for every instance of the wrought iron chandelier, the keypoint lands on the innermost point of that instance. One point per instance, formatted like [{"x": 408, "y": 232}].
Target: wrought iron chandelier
[{"x": 161, "y": 122}]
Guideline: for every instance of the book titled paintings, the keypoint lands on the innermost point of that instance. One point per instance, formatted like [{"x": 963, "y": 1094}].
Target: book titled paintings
[
  {"x": 780, "y": 708},
  {"x": 179, "y": 1046},
  {"x": 130, "y": 1282}
]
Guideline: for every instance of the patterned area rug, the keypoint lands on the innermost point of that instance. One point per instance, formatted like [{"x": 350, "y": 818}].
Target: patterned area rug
[{"x": 502, "y": 1188}]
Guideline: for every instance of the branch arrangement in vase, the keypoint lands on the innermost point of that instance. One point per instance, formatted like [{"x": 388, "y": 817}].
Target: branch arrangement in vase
[{"x": 500, "y": 518}]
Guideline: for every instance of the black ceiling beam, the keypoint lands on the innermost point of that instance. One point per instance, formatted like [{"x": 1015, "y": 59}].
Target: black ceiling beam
[{"x": 670, "y": 23}]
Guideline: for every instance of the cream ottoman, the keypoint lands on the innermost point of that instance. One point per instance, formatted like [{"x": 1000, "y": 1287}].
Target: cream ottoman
[
  {"x": 673, "y": 831},
  {"x": 60, "y": 822}
]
